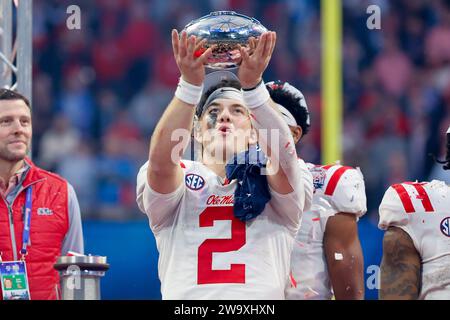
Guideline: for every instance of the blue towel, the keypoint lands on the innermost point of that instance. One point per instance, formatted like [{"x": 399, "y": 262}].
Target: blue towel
[{"x": 252, "y": 191}]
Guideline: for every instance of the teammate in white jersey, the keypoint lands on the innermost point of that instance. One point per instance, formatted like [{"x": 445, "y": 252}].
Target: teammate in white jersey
[
  {"x": 205, "y": 252},
  {"x": 327, "y": 256},
  {"x": 416, "y": 244}
]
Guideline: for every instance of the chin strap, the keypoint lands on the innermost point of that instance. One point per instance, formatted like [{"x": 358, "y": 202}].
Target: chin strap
[{"x": 445, "y": 162}]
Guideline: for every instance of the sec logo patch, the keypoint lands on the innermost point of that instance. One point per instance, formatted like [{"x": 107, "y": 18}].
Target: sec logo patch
[
  {"x": 445, "y": 226},
  {"x": 194, "y": 182}
]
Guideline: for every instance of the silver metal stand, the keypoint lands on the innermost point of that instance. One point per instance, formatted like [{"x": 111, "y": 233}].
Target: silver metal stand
[
  {"x": 16, "y": 60},
  {"x": 80, "y": 276}
]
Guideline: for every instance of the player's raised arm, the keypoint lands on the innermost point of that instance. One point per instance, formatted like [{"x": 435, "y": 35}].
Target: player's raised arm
[
  {"x": 164, "y": 172},
  {"x": 266, "y": 116}
]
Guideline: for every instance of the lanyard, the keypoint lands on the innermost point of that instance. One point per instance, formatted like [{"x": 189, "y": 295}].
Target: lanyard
[{"x": 26, "y": 224}]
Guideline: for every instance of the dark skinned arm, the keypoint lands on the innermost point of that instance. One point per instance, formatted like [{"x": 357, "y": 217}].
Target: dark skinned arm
[
  {"x": 400, "y": 267},
  {"x": 346, "y": 275}
]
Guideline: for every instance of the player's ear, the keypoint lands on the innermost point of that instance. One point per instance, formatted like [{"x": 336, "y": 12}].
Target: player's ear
[{"x": 297, "y": 133}]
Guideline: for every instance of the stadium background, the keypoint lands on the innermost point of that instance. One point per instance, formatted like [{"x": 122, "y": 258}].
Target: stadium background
[{"x": 98, "y": 93}]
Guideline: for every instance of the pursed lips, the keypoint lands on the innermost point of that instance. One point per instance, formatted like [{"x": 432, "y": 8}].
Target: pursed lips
[{"x": 224, "y": 128}]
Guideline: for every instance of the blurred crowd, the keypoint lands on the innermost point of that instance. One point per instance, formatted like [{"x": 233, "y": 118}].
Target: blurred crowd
[{"x": 98, "y": 92}]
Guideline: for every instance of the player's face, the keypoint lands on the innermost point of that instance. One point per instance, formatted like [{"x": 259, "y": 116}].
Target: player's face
[
  {"x": 15, "y": 130},
  {"x": 225, "y": 127}
]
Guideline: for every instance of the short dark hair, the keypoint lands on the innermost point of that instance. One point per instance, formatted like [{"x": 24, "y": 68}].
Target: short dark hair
[
  {"x": 224, "y": 83},
  {"x": 6, "y": 94},
  {"x": 292, "y": 104}
]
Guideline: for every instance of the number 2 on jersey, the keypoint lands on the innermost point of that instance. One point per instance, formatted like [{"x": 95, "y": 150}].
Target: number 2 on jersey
[{"x": 205, "y": 273}]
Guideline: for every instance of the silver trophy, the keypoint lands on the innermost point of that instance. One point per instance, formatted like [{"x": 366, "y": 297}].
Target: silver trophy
[{"x": 225, "y": 31}]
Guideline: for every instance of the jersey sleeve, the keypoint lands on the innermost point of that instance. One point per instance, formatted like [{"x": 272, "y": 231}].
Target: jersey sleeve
[
  {"x": 160, "y": 208},
  {"x": 307, "y": 180},
  {"x": 393, "y": 214},
  {"x": 350, "y": 193},
  {"x": 291, "y": 206}
]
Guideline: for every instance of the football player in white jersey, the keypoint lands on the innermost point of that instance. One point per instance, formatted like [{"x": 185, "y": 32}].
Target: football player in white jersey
[
  {"x": 416, "y": 244},
  {"x": 327, "y": 257},
  {"x": 205, "y": 251}
]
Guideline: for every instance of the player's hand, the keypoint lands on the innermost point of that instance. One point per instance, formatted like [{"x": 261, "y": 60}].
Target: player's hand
[
  {"x": 252, "y": 44},
  {"x": 256, "y": 60},
  {"x": 184, "y": 50}
]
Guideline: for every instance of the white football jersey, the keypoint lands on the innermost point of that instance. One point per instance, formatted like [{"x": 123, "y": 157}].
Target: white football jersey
[
  {"x": 423, "y": 211},
  {"x": 207, "y": 253},
  {"x": 336, "y": 189}
]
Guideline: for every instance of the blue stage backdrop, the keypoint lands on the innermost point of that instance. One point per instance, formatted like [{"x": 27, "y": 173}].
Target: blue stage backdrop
[{"x": 133, "y": 257}]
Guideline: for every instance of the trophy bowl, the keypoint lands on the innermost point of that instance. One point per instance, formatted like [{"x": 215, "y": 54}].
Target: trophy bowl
[{"x": 225, "y": 31}]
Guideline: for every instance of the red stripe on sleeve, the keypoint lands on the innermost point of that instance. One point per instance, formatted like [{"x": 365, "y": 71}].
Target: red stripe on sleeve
[
  {"x": 423, "y": 196},
  {"x": 404, "y": 197},
  {"x": 334, "y": 180}
]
